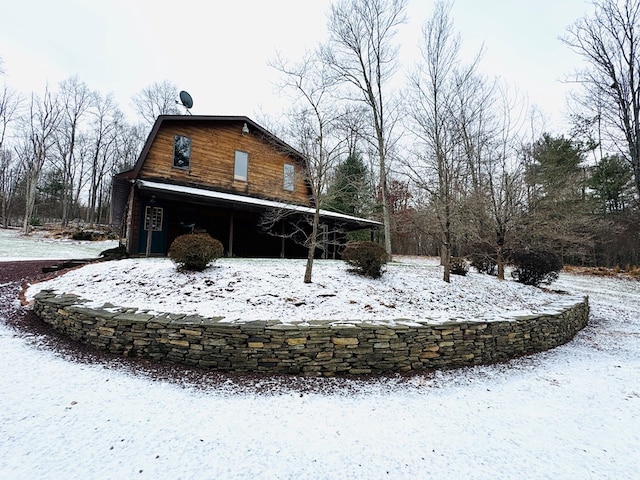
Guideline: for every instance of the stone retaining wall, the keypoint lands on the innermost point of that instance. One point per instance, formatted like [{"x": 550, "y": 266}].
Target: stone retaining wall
[{"x": 312, "y": 348}]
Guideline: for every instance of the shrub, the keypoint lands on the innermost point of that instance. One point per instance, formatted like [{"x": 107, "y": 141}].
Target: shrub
[
  {"x": 484, "y": 263},
  {"x": 535, "y": 267},
  {"x": 366, "y": 258},
  {"x": 459, "y": 266},
  {"x": 114, "y": 253},
  {"x": 80, "y": 234},
  {"x": 194, "y": 251}
]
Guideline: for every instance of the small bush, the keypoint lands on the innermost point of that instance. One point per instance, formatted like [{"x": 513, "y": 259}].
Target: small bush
[
  {"x": 535, "y": 267},
  {"x": 94, "y": 235},
  {"x": 80, "y": 234},
  {"x": 459, "y": 266},
  {"x": 114, "y": 253},
  {"x": 366, "y": 258},
  {"x": 484, "y": 263},
  {"x": 194, "y": 251}
]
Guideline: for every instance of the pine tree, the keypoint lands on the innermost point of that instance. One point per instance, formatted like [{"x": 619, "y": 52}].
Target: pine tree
[
  {"x": 611, "y": 182},
  {"x": 350, "y": 193}
]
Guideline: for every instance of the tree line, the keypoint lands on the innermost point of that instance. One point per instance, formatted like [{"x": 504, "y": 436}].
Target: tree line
[
  {"x": 452, "y": 162},
  {"x": 60, "y": 149}
]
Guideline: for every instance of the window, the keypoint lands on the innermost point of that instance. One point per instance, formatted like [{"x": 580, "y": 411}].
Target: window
[
  {"x": 181, "y": 152},
  {"x": 289, "y": 177},
  {"x": 153, "y": 218},
  {"x": 241, "y": 166}
]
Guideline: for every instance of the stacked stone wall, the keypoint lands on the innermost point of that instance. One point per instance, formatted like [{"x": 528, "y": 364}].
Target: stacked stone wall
[{"x": 311, "y": 348}]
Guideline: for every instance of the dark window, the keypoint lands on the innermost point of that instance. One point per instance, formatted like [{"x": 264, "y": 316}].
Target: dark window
[{"x": 181, "y": 152}]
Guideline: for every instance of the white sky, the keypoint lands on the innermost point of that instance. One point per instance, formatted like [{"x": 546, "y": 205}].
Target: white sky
[{"x": 218, "y": 51}]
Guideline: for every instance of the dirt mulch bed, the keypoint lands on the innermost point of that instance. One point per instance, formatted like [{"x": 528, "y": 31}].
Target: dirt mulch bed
[{"x": 29, "y": 269}]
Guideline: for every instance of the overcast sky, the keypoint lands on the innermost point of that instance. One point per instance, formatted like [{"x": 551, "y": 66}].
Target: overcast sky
[{"x": 218, "y": 51}]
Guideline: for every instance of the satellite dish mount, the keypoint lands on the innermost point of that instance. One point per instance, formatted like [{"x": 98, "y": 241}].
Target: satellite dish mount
[{"x": 186, "y": 101}]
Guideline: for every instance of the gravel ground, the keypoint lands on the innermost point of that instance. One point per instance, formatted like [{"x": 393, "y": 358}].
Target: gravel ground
[
  {"x": 13, "y": 277},
  {"x": 28, "y": 269}
]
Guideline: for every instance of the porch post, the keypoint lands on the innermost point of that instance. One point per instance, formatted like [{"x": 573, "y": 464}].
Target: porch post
[
  {"x": 149, "y": 222},
  {"x": 231, "y": 235}
]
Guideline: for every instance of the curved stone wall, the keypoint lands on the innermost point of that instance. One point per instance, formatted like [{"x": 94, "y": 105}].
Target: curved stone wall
[{"x": 313, "y": 348}]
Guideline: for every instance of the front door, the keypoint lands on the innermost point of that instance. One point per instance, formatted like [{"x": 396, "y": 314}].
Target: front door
[{"x": 153, "y": 220}]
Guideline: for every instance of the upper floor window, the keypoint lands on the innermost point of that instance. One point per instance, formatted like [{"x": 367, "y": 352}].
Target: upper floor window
[
  {"x": 241, "y": 167},
  {"x": 181, "y": 152},
  {"x": 289, "y": 177}
]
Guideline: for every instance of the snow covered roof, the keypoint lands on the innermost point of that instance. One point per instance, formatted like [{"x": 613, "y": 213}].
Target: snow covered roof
[{"x": 258, "y": 202}]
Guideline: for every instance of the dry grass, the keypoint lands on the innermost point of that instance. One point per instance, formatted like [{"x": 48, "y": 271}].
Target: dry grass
[{"x": 630, "y": 271}]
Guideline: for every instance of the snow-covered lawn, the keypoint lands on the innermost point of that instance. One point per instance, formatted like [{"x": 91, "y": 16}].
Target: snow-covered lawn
[
  {"x": 571, "y": 413},
  {"x": 241, "y": 289},
  {"x": 14, "y": 246}
]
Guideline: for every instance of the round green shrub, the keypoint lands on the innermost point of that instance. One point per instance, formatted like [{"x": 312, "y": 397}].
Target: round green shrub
[
  {"x": 366, "y": 258},
  {"x": 535, "y": 267},
  {"x": 194, "y": 251}
]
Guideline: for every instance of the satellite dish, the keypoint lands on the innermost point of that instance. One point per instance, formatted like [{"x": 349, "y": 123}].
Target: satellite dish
[{"x": 185, "y": 98}]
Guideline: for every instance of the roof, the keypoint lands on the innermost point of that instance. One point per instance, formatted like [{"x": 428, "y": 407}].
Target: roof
[
  {"x": 250, "y": 201},
  {"x": 133, "y": 173}
]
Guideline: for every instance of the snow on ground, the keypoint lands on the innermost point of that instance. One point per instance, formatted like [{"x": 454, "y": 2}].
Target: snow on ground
[
  {"x": 241, "y": 289},
  {"x": 14, "y": 246},
  {"x": 570, "y": 413}
]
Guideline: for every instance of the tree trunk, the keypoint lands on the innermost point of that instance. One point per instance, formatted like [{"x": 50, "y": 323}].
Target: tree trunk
[
  {"x": 30, "y": 202},
  {"x": 446, "y": 254},
  {"x": 500, "y": 253},
  {"x": 386, "y": 215},
  {"x": 500, "y": 261},
  {"x": 313, "y": 241}
]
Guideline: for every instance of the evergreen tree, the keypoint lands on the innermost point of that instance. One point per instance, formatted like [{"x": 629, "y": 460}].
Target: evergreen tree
[
  {"x": 555, "y": 174},
  {"x": 559, "y": 215},
  {"x": 350, "y": 193},
  {"x": 611, "y": 182}
]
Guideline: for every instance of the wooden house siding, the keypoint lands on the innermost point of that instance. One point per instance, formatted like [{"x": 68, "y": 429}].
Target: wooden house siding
[
  {"x": 213, "y": 157},
  {"x": 206, "y": 197}
]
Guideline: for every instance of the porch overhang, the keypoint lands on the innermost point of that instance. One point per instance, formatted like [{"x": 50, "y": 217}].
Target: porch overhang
[{"x": 349, "y": 221}]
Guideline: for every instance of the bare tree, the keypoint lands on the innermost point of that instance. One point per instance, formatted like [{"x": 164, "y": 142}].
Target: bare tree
[
  {"x": 129, "y": 142},
  {"x": 432, "y": 92},
  {"x": 34, "y": 148},
  {"x": 311, "y": 121},
  {"x": 159, "y": 98},
  {"x": 10, "y": 102},
  {"x": 10, "y": 175},
  {"x": 609, "y": 42},
  {"x": 75, "y": 100},
  {"x": 361, "y": 53},
  {"x": 504, "y": 176},
  {"x": 103, "y": 137}
]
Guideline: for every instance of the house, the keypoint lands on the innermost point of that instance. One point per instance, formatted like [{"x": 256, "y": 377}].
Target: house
[{"x": 222, "y": 175}]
